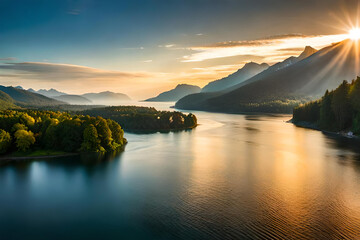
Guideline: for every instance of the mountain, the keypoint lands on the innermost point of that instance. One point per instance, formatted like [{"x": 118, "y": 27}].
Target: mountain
[
  {"x": 6, "y": 102},
  {"x": 308, "y": 51},
  {"x": 48, "y": 93},
  {"x": 73, "y": 99},
  {"x": 107, "y": 98},
  {"x": 249, "y": 70},
  {"x": 278, "y": 88},
  {"x": 175, "y": 94},
  {"x": 26, "y": 98}
]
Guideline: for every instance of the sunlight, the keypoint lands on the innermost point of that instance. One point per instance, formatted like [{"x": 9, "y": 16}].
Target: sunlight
[{"x": 354, "y": 34}]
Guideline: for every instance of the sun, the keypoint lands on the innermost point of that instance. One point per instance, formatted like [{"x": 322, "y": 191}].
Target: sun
[{"x": 354, "y": 34}]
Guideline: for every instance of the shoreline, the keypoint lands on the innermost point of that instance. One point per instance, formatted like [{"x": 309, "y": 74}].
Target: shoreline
[
  {"x": 312, "y": 126},
  {"x": 7, "y": 159}
]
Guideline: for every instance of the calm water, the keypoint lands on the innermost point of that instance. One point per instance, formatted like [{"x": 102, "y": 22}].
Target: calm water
[{"x": 235, "y": 176}]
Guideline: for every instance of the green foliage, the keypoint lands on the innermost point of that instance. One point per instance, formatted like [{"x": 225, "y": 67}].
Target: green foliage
[
  {"x": 18, "y": 126},
  {"x": 5, "y": 141},
  {"x": 24, "y": 139},
  {"x": 341, "y": 106},
  {"x": 117, "y": 132},
  {"x": 91, "y": 141},
  {"x": 133, "y": 118},
  {"x": 336, "y": 111},
  {"x": 60, "y": 131}
]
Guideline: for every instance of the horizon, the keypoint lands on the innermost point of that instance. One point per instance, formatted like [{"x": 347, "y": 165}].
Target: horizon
[{"x": 64, "y": 45}]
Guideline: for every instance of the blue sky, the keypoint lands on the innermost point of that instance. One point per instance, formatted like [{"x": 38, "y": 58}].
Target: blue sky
[{"x": 149, "y": 39}]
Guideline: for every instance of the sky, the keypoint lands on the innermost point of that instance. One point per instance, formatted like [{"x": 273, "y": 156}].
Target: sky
[{"x": 144, "y": 47}]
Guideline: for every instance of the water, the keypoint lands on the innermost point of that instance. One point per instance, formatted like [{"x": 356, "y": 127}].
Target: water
[{"x": 234, "y": 176}]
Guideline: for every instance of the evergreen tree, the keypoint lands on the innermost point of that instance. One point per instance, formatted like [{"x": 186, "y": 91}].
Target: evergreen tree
[{"x": 341, "y": 106}]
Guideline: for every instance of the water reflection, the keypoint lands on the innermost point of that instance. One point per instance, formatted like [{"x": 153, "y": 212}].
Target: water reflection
[{"x": 235, "y": 176}]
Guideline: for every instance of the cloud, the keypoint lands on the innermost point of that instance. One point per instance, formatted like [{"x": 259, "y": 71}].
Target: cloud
[
  {"x": 270, "y": 48},
  {"x": 71, "y": 78},
  {"x": 74, "y": 12},
  {"x": 64, "y": 72},
  {"x": 167, "y": 46},
  {"x": 148, "y": 61},
  {"x": 8, "y": 59}
]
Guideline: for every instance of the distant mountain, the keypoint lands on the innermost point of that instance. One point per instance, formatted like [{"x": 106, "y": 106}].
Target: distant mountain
[
  {"x": 48, "y": 93},
  {"x": 107, "y": 98},
  {"x": 26, "y": 98},
  {"x": 175, "y": 94},
  {"x": 279, "y": 88},
  {"x": 249, "y": 70},
  {"x": 73, "y": 99}
]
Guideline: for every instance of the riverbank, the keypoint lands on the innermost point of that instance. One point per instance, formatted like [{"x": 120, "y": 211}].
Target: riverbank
[
  {"x": 38, "y": 154},
  {"x": 346, "y": 134}
]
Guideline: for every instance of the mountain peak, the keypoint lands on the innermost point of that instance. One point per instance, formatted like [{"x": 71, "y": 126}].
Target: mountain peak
[
  {"x": 184, "y": 85},
  {"x": 308, "y": 51},
  {"x": 253, "y": 64}
]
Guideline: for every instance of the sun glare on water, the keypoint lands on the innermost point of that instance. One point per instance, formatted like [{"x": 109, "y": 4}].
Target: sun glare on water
[{"x": 354, "y": 34}]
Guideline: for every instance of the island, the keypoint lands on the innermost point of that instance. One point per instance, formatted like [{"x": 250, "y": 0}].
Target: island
[
  {"x": 337, "y": 111},
  {"x": 145, "y": 119}
]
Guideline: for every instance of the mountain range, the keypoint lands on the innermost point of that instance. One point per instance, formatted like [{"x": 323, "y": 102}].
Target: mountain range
[
  {"x": 16, "y": 96},
  {"x": 285, "y": 84},
  {"x": 48, "y": 93},
  {"x": 249, "y": 70},
  {"x": 101, "y": 98},
  {"x": 175, "y": 94},
  {"x": 106, "y": 98}
]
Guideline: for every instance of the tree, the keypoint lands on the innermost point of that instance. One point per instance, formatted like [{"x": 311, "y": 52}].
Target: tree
[
  {"x": 354, "y": 94},
  {"x": 18, "y": 126},
  {"x": 27, "y": 120},
  {"x": 24, "y": 139},
  {"x": 91, "y": 142},
  {"x": 116, "y": 132},
  {"x": 341, "y": 107},
  {"x": 5, "y": 141},
  {"x": 104, "y": 133},
  {"x": 70, "y": 132}
]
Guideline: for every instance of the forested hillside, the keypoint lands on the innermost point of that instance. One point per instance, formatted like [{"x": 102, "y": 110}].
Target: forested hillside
[
  {"x": 337, "y": 110},
  {"x": 133, "y": 118},
  {"x": 28, "y": 130}
]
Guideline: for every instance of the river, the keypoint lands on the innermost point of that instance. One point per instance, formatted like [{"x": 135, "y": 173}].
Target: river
[{"x": 233, "y": 177}]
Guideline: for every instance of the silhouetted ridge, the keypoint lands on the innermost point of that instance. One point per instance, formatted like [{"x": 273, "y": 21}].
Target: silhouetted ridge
[
  {"x": 279, "y": 89},
  {"x": 247, "y": 71},
  {"x": 175, "y": 94}
]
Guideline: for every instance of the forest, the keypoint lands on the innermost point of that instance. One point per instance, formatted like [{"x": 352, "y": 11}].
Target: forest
[
  {"x": 29, "y": 130},
  {"x": 337, "y": 110},
  {"x": 145, "y": 119}
]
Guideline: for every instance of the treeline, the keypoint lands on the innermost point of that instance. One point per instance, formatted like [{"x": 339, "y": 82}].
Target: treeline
[
  {"x": 337, "y": 110},
  {"x": 26, "y": 130},
  {"x": 272, "y": 106},
  {"x": 133, "y": 118}
]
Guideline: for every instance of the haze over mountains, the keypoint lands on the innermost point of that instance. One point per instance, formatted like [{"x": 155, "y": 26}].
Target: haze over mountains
[
  {"x": 285, "y": 84},
  {"x": 73, "y": 99},
  {"x": 175, "y": 94},
  {"x": 20, "y": 97},
  {"x": 101, "y": 98},
  {"x": 48, "y": 93},
  {"x": 249, "y": 70},
  {"x": 106, "y": 98}
]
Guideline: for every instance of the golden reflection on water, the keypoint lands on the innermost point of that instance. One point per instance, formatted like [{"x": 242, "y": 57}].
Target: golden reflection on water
[{"x": 288, "y": 174}]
